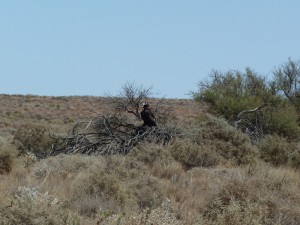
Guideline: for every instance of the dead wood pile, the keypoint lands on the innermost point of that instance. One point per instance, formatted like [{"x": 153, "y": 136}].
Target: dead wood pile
[{"x": 110, "y": 135}]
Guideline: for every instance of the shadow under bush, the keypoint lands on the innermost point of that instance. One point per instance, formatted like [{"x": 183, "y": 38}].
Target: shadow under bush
[{"x": 6, "y": 161}]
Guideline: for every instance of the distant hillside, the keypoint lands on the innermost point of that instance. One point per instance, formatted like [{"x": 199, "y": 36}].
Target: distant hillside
[
  {"x": 209, "y": 174},
  {"x": 60, "y": 113}
]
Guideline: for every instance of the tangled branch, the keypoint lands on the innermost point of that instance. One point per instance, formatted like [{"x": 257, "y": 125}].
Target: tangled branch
[
  {"x": 109, "y": 135},
  {"x": 253, "y": 125}
]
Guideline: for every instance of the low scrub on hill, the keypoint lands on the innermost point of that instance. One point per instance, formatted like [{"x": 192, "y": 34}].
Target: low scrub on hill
[
  {"x": 212, "y": 142},
  {"x": 147, "y": 186},
  {"x": 207, "y": 172}
]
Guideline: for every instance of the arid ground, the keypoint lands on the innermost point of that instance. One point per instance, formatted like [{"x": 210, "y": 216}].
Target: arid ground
[{"x": 211, "y": 174}]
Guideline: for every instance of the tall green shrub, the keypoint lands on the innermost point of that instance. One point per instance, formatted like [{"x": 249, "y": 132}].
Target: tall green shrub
[
  {"x": 231, "y": 92},
  {"x": 234, "y": 92}
]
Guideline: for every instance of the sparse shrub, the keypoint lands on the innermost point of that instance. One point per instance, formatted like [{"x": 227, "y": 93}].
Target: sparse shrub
[
  {"x": 160, "y": 216},
  {"x": 294, "y": 158},
  {"x": 30, "y": 207},
  {"x": 280, "y": 151},
  {"x": 98, "y": 185},
  {"x": 193, "y": 155},
  {"x": 171, "y": 170},
  {"x": 143, "y": 189},
  {"x": 6, "y": 161},
  {"x": 263, "y": 197},
  {"x": 63, "y": 165},
  {"x": 33, "y": 138},
  {"x": 225, "y": 140},
  {"x": 147, "y": 192},
  {"x": 28, "y": 159},
  {"x": 212, "y": 141},
  {"x": 149, "y": 153},
  {"x": 107, "y": 184}
]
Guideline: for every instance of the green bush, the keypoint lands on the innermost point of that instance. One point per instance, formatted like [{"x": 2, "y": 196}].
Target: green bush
[
  {"x": 233, "y": 92},
  {"x": 284, "y": 121}
]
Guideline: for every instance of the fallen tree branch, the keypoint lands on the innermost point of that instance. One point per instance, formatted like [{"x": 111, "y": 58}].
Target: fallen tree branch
[
  {"x": 110, "y": 135},
  {"x": 251, "y": 125},
  {"x": 250, "y": 111}
]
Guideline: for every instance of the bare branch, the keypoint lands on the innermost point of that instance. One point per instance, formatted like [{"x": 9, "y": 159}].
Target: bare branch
[
  {"x": 252, "y": 127},
  {"x": 130, "y": 99},
  {"x": 110, "y": 135},
  {"x": 251, "y": 111}
]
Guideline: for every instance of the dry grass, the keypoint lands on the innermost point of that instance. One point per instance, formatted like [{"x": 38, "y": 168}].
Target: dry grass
[
  {"x": 212, "y": 176},
  {"x": 126, "y": 190},
  {"x": 280, "y": 151}
]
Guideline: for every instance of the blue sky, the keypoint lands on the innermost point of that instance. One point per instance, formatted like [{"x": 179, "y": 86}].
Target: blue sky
[{"x": 72, "y": 47}]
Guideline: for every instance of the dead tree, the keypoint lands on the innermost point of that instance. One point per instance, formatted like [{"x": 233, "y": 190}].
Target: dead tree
[
  {"x": 131, "y": 98},
  {"x": 251, "y": 122},
  {"x": 287, "y": 80}
]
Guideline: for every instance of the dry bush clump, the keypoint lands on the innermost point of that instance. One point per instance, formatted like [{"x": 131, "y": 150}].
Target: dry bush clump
[
  {"x": 23, "y": 202},
  {"x": 33, "y": 138},
  {"x": 6, "y": 162},
  {"x": 280, "y": 151},
  {"x": 259, "y": 195},
  {"x": 30, "y": 207},
  {"x": 97, "y": 191},
  {"x": 255, "y": 194},
  {"x": 194, "y": 155},
  {"x": 159, "y": 158},
  {"x": 99, "y": 186},
  {"x": 217, "y": 135},
  {"x": 132, "y": 189},
  {"x": 63, "y": 165},
  {"x": 149, "y": 153},
  {"x": 162, "y": 215}
]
